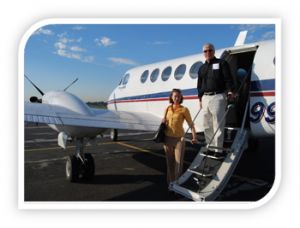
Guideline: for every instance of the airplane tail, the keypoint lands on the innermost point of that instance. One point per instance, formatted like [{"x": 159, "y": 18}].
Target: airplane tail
[{"x": 240, "y": 40}]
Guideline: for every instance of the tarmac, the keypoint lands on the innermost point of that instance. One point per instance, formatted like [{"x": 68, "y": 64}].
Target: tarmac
[{"x": 131, "y": 169}]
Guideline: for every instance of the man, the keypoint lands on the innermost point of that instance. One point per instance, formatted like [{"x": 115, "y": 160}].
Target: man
[{"x": 214, "y": 84}]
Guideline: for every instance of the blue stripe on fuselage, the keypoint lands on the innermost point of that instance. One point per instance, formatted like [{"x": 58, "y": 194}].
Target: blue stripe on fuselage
[
  {"x": 256, "y": 86},
  {"x": 262, "y": 85}
]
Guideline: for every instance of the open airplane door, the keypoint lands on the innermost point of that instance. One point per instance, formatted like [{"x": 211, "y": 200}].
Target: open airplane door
[{"x": 240, "y": 60}]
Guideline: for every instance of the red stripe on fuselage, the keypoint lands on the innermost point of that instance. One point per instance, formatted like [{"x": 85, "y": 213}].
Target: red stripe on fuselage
[
  {"x": 263, "y": 94},
  {"x": 252, "y": 94}
]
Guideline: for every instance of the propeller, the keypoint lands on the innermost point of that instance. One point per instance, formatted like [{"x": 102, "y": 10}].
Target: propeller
[
  {"x": 71, "y": 84},
  {"x": 35, "y": 99}
]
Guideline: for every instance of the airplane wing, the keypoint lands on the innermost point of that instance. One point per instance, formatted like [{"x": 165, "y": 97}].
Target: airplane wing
[{"x": 99, "y": 118}]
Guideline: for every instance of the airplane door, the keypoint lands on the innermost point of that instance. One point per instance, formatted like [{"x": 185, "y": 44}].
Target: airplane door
[
  {"x": 240, "y": 60},
  {"x": 115, "y": 103}
]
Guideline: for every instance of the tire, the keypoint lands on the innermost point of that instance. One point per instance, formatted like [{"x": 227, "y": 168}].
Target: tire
[
  {"x": 72, "y": 169},
  {"x": 89, "y": 167},
  {"x": 114, "y": 134}
]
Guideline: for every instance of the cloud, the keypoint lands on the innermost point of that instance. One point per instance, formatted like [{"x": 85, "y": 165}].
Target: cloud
[
  {"x": 60, "y": 45},
  {"x": 77, "y": 49},
  {"x": 42, "y": 31},
  {"x": 257, "y": 32},
  {"x": 122, "y": 61},
  {"x": 88, "y": 59},
  {"x": 68, "y": 48},
  {"x": 68, "y": 54},
  {"x": 78, "y": 28},
  {"x": 253, "y": 28},
  {"x": 268, "y": 35},
  {"x": 104, "y": 41}
]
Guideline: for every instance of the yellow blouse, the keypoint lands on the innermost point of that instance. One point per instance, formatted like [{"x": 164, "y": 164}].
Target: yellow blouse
[{"x": 175, "y": 120}]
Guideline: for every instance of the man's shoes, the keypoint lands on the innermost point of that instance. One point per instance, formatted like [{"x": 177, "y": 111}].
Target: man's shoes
[
  {"x": 215, "y": 155},
  {"x": 209, "y": 153},
  {"x": 220, "y": 155}
]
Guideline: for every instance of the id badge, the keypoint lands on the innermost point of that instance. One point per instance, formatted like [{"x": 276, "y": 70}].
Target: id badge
[{"x": 216, "y": 66}]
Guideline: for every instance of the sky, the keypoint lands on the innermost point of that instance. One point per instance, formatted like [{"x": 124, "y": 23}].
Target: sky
[{"x": 99, "y": 54}]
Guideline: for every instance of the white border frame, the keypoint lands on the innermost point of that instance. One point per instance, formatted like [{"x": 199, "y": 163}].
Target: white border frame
[{"x": 148, "y": 205}]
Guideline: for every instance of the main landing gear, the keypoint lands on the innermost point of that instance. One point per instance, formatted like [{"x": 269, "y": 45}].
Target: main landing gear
[
  {"x": 80, "y": 166},
  {"x": 114, "y": 134}
]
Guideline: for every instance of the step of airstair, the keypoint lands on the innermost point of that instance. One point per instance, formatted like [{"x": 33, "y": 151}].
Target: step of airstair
[{"x": 206, "y": 177}]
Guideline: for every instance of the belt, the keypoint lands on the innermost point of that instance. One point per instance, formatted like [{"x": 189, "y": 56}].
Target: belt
[{"x": 213, "y": 93}]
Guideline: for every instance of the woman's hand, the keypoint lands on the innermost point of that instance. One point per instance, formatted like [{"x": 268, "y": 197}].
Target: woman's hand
[{"x": 194, "y": 141}]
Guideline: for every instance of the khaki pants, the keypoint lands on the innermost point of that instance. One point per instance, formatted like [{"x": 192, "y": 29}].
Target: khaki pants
[
  {"x": 174, "y": 149},
  {"x": 213, "y": 110}
]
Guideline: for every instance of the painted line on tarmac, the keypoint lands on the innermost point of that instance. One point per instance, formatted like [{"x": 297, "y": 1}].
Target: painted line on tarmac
[
  {"x": 46, "y": 160},
  {"x": 99, "y": 144},
  {"x": 68, "y": 147},
  {"x": 138, "y": 149},
  {"x": 144, "y": 150},
  {"x": 41, "y": 140}
]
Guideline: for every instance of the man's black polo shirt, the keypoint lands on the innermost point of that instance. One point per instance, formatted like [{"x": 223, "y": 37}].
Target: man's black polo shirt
[{"x": 214, "y": 76}]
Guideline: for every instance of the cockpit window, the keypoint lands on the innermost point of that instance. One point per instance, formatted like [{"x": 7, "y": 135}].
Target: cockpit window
[
  {"x": 194, "y": 69},
  {"x": 154, "y": 75},
  {"x": 144, "y": 76},
  {"x": 125, "y": 79},
  {"x": 121, "y": 81},
  {"x": 180, "y": 71},
  {"x": 166, "y": 73}
]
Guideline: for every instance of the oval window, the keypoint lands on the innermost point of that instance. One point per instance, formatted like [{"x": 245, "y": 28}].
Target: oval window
[
  {"x": 144, "y": 76},
  {"x": 194, "y": 69},
  {"x": 154, "y": 75},
  {"x": 180, "y": 71},
  {"x": 166, "y": 73}
]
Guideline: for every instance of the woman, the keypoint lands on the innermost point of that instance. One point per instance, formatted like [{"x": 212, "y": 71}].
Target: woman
[{"x": 174, "y": 144}]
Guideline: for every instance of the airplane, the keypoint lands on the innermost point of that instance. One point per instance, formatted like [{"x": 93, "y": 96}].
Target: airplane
[{"x": 139, "y": 100}]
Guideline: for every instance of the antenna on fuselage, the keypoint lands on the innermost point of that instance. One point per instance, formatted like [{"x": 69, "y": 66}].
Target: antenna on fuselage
[{"x": 71, "y": 84}]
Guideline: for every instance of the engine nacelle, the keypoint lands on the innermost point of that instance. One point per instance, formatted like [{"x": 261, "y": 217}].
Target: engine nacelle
[{"x": 67, "y": 100}]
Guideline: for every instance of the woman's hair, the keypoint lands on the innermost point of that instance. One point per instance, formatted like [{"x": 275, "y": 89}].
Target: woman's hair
[{"x": 177, "y": 91}]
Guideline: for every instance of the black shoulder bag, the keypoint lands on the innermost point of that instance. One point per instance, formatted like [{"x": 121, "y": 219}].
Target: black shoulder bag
[{"x": 160, "y": 134}]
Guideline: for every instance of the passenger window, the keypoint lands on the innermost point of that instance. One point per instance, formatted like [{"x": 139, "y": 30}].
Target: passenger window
[
  {"x": 154, "y": 75},
  {"x": 179, "y": 72},
  {"x": 166, "y": 73},
  {"x": 194, "y": 69},
  {"x": 125, "y": 79},
  {"x": 144, "y": 76}
]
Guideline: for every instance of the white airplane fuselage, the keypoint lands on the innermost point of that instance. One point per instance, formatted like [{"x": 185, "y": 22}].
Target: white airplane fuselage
[{"x": 147, "y": 88}]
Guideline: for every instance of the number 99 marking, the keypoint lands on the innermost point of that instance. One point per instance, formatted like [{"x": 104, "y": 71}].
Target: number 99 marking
[{"x": 257, "y": 112}]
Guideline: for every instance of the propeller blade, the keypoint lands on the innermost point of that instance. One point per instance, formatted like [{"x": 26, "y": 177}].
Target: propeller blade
[
  {"x": 71, "y": 84},
  {"x": 40, "y": 91}
]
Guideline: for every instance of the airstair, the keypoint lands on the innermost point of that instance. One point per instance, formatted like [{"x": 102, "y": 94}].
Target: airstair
[{"x": 207, "y": 175}]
